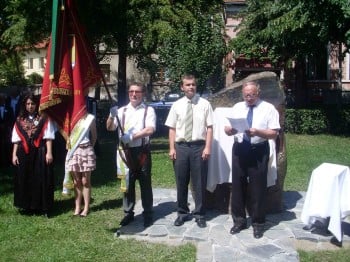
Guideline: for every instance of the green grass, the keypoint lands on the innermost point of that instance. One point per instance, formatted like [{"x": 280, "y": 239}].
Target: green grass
[
  {"x": 63, "y": 238},
  {"x": 305, "y": 153}
]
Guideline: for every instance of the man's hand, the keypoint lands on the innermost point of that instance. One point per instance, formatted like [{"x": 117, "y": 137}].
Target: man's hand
[
  {"x": 230, "y": 130},
  {"x": 126, "y": 138},
  {"x": 113, "y": 111}
]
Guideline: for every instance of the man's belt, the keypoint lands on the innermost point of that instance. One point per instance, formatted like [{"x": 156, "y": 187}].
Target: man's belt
[
  {"x": 259, "y": 145},
  {"x": 195, "y": 143}
]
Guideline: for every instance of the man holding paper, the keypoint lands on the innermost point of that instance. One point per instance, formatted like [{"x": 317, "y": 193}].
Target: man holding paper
[{"x": 250, "y": 156}]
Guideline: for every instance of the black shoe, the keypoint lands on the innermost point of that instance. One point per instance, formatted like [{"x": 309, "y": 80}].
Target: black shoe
[
  {"x": 179, "y": 221},
  {"x": 309, "y": 227},
  {"x": 147, "y": 221},
  {"x": 258, "y": 231},
  {"x": 336, "y": 242},
  {"x": 237, "y": 228},
  {"x": 126, "y": 220},
  {"x": 201, "y": 222}
]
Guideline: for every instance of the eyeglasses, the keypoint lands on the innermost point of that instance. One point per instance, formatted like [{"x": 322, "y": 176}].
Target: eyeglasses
[
  {"x": 250, "y": 96},
  {"x": 135, "y": 91}
]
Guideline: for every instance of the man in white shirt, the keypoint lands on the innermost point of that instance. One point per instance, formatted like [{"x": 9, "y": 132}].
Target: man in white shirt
[
  {"x": 250, "y": 157},
  {"x": 138, "y": 122},
  {"x": 190, "y": 138}
]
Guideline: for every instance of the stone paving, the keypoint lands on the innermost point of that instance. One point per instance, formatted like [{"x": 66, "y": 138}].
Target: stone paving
[{"x": 283, "y": 235}]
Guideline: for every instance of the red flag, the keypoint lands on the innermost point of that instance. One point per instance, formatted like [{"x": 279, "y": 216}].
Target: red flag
[{"x": 71, "y": 68}]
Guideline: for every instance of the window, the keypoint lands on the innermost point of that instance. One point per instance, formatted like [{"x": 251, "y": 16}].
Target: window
[
  {"x": 42, "y": 62},
  {"x": 30, "y": 63},
  {"x": 347, "y": 59},
  {"x": 317, "y": 67}
]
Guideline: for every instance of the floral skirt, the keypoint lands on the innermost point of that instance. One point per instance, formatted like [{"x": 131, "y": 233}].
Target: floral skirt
[{"x": 83, "y": 159}]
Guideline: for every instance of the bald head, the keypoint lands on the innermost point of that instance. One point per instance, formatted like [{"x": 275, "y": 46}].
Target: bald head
[{"x": 250, "y": 92}]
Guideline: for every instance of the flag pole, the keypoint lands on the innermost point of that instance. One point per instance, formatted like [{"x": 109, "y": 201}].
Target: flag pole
[{"x": 53, "y": 37}]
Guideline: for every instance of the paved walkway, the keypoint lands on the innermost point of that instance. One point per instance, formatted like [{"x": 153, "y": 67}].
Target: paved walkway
[{"x": 283, "y": 236}]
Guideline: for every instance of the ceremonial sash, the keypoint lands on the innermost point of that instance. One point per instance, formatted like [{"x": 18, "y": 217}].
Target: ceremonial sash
[
  {"x": 124, "y": 161},
  {"x": 76, "y": 136}
]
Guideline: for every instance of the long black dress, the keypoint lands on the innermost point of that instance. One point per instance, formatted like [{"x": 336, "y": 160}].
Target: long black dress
[{"x": 34, "y": 179}]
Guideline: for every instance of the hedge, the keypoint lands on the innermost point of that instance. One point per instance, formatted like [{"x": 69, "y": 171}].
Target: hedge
[{"x": 331, "y": 120}]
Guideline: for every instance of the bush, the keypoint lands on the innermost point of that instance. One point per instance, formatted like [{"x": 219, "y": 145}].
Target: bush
[
  {"x": 35, "y": 79},
  {"x": 329, "y": 120}
]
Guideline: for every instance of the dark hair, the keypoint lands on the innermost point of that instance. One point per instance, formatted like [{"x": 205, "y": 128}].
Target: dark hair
[
  {"x": 188, "y": 77},
  {"x": 29, "y": 96},
  {"x": 139, "y": 85}
]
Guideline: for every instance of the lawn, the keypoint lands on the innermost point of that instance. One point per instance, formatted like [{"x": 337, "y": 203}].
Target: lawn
[{"x": 64, "y": 238}]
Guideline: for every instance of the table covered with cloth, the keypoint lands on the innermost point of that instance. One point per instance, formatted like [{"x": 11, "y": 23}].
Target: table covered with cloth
[{"x": 328, "y": 196}]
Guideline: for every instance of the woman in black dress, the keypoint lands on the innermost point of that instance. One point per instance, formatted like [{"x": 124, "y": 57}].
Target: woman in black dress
[{"x": 32, "y": 137}]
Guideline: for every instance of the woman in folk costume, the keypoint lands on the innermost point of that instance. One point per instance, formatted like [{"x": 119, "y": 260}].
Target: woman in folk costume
[
  {"x": 32, "y": 137},
  {"x": 81, "y": 160}
]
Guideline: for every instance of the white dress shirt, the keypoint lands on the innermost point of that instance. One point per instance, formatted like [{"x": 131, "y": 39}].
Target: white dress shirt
[
  {"x": 202, "y": 118},
  {"x": 265, "y": 116},
  {"x": 134, "y": 119}
]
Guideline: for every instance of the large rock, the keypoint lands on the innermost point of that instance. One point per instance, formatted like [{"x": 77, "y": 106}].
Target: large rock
[{"x": 271, "y": 91}]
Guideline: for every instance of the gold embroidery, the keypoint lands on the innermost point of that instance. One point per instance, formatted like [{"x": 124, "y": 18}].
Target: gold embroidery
[{"x": 64, "y": 78}]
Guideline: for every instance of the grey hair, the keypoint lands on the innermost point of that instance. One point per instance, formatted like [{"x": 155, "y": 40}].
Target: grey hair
[{"x": 251, "y": 82}]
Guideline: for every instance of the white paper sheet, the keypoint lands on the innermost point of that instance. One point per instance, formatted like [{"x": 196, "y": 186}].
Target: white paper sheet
[{"x": 240, "y": 124}]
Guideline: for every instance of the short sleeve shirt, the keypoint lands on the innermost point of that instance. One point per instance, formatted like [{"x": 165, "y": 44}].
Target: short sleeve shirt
[
  {"x": 202, "y": 117},
  {"x": 134, "y": 120},
  {"x": 265, "y": 116}
]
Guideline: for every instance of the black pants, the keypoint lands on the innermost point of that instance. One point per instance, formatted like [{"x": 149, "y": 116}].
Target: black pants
[
  {"x": 189, "y": 165},
  {"x": 249, "y": 181},
  {"x": 145, "y": 180}
]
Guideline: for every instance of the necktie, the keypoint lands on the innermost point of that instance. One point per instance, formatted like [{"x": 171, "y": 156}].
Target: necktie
[
  {"x": 188, "y": 122},
  {"x": 250, "y": 116},
  {"x": 250, "y": 121}
]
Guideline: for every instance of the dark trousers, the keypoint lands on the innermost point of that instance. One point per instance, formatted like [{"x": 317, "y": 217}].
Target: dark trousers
[
  {"x": 249, "y": 181},
  {"x": 145, "y": 181},
  {"x": 189, "y": 165}
]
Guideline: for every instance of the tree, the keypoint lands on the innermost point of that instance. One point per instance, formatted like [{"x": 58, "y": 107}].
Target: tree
[
  {"x": 22, "y": 23},
  {"x": 198, "y": 48},
  {"x": 12, "y": 71},
  {"x": 288, "y": 30},
  {"x": 187, "y": 37},
  {"x": 135, "y": 28},
  {"x": 291, "y": 28}
]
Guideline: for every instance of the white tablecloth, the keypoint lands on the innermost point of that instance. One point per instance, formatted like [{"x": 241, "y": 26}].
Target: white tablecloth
[
  {"x": 328, "y": 195},
  {"x": 220, "y": 161}
]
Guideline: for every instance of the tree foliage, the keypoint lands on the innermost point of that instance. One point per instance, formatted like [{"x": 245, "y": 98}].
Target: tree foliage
[
  {"x": 187, "y": 37},
  {"x": 22, "y": 24},
  {"x": 290, "y": 29},
  {"x": 138, "y": 28},
  {"x": 197, "y": 48}
]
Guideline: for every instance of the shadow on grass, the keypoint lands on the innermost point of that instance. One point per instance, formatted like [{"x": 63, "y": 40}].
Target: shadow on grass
[
  {"x": 108, "y": 204},
  {"x": 62, "y": 206}
]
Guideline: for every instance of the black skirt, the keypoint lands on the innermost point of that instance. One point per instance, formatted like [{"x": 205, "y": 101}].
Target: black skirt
[{"x": 34, "y": 180}]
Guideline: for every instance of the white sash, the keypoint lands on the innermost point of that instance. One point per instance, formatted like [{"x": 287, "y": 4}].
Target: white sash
[{"x": 76, "y": 136}]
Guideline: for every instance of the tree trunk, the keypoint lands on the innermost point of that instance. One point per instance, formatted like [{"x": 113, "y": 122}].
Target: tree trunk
[
  {"x": 122, "y": 40},
  {"x": 122, "y": 98}
]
